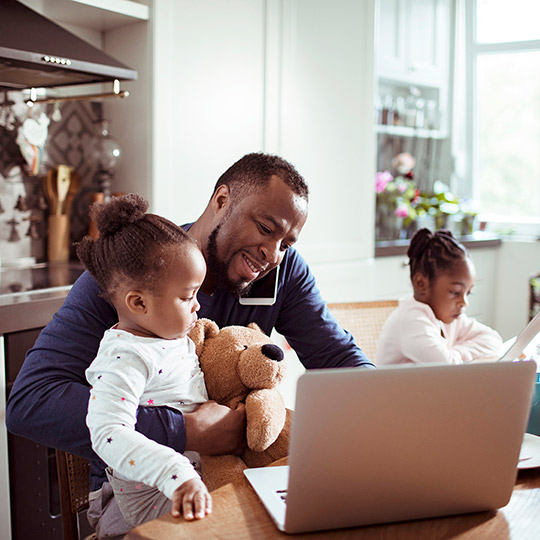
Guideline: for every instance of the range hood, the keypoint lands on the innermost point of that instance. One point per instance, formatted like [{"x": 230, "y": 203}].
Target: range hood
[{"x": 36, "y": 52}]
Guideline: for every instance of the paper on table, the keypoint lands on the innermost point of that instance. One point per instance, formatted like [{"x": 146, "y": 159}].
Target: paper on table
[{"x": 529, "y": 457}]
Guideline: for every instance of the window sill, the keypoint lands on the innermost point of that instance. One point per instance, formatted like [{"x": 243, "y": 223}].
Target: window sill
[{"x": 478, "y": 239}]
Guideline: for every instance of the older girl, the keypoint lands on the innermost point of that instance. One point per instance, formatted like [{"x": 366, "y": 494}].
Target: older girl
[{"x": 431, "y": 326}]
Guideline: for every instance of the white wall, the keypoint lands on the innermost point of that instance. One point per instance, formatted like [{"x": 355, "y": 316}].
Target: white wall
[
  {"x": 518, "y": 261},
  {"x": 130, "y": 118}
]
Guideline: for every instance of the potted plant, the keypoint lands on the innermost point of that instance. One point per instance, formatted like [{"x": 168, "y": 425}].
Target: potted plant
[{"x": 396, "y": 200}]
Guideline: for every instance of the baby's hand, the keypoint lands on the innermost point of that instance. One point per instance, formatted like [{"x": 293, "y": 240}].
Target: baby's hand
[{"x": 192, "y": 500}]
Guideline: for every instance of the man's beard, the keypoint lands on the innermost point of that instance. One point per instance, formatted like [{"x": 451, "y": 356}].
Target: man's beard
[{"x": 219, "y": 269}]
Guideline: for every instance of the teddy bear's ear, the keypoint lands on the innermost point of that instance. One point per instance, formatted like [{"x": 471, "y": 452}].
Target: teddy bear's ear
[
  {"x": 203, "y": 329},
  {"x": 255, "y": 326}
]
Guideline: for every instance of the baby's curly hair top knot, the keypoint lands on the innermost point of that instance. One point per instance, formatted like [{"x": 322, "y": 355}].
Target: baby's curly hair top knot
[
  {"x": 118, "y": 212},
  {"x": 133, "y": 247}
]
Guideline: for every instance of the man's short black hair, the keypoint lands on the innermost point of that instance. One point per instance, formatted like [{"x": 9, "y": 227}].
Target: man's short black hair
[{"x": 256, "y": 169}]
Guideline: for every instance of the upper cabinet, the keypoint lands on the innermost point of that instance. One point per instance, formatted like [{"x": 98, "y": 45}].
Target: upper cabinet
[
  {"x": 414, "y": 37},
  {"x": 412, "y": 65}
]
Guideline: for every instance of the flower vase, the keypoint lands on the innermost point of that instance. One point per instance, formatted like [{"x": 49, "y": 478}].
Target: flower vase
[
  {"x": 467, "y": 225},
  {"x": 388, "y": 225},
  {"x": 410, "y": 229},
  {"x": 441, "y": 221}
]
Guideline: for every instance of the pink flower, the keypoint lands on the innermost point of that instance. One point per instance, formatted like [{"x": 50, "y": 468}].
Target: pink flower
[
  {"x": 403, "y": 163},
  {"x": 402, "y": 211},
  {"x": 381, "y": 181}
]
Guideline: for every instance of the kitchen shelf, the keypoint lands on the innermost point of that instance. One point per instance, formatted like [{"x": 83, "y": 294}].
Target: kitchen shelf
[
  {"x": 405, "y": 131},
  {"x": 101, "y": 15},
  {"x": 124, "y": 7}
]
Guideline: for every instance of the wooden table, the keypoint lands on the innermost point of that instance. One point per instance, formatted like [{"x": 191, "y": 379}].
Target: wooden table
[{"x": 238, "y": 514}]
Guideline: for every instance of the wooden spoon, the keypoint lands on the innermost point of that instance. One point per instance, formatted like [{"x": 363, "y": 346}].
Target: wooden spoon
[
  {"x": 73, "y": 188},
  {"x": 50, "y": 192},
  {"x": 63, "y": 180}
]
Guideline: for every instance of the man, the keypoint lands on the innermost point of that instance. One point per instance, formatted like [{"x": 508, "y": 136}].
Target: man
[{"x": 253, "y": 218}]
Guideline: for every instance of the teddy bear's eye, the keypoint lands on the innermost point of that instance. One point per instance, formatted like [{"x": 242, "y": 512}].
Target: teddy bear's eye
[{"x": 245, "y": 347}]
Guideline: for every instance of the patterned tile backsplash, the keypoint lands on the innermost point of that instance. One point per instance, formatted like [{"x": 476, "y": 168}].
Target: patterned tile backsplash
[{"x": 23, "y": 208}]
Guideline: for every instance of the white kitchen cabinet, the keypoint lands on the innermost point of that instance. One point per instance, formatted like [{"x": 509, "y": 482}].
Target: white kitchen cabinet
[
  {"x": 326, "y": 124},
  {"x": 290, "y": 77},
  {"x": 412, "y": 66},
  {"x": 392, "y": 280},
  {"x": 414, "y": 41}
]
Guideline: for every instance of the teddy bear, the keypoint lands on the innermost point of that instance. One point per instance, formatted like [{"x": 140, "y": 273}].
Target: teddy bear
[{"x": 242, "y": 364}]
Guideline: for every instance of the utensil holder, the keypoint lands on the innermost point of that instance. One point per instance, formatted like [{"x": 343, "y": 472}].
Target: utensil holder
[
  {"x": 58, "y": 248},
  {"x": 95, "y": 197}
]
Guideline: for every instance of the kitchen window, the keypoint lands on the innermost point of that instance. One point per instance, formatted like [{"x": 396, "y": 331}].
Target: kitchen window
[{"x": 497, "y": 110}]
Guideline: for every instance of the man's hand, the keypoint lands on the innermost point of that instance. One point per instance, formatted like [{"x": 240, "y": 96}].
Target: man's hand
[
  {"x": 215, "y": 429},
  {"x": 192, "y": 500}
]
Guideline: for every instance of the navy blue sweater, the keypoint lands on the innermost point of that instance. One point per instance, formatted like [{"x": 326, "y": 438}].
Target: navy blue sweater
[{"x": 49, "y": 398}]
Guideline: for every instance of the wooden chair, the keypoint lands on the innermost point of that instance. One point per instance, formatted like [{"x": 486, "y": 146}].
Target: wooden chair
[
  {"x": 74, "y": 487},
  {"x": 364, "y": 320},
  {"x": 534, "y": 298}
]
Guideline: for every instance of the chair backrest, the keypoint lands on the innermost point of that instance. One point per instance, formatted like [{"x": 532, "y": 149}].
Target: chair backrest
[
  {"x": 364, "y": 320},
  {"x": 534, "y": 302},
  {"x": 74, "y": 487}
]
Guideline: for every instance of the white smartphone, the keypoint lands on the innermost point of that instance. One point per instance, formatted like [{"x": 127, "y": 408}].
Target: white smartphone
[{"x": 263, "y": 291}]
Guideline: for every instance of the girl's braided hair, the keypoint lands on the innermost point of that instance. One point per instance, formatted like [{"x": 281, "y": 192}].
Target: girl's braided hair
[
  {"x": 132, "y": 245},
  {"x": 433, "y": 252}
]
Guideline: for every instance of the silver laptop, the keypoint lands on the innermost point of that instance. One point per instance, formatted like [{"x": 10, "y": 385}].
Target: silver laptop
[{"x": 399, "y": 443}]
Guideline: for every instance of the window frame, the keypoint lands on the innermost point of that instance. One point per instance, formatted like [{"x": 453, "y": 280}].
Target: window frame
[{"x": 529, "y": 226}]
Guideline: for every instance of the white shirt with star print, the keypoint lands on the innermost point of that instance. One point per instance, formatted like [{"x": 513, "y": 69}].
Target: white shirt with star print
[{"x": 130, "y": 371}]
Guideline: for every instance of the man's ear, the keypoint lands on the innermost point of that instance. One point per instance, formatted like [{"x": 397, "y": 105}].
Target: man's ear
[
  {"x": 420, "y": 284},
  {"x": 221, "y": 198},
  {"x": 135, "y": 302}
]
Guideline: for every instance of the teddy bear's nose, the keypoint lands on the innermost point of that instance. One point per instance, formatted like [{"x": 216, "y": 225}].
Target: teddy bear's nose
[{"x": 272, "y": 351}]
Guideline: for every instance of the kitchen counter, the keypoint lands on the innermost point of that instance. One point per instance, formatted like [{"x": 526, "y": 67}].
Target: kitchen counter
[
  {"x": 475, "y": 240},
  {"x": 29, "y": 310},
  {"x": 30, "y": 295}
]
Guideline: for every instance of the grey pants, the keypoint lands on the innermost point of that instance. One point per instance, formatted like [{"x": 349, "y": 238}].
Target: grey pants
[
  {"x": 120, "y": 505},
  {"x": 114, "y": 515},
  {"x": 105, "y": 516},
  {"x": 138, "y": 502}
]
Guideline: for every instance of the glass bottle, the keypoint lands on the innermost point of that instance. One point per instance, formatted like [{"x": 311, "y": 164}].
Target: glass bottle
[
  {"x": 410, "y": 111},
  {"x": 388, "y": 111}
]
